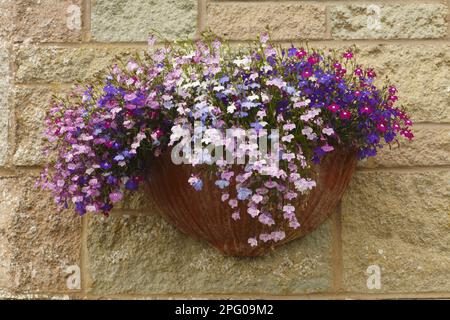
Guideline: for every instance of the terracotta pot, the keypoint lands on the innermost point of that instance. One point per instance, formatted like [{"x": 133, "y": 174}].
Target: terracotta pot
[{"x": 204, "y": 216}]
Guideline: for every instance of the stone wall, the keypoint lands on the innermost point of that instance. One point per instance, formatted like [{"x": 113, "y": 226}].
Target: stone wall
[{"x": 393, "y": 220}]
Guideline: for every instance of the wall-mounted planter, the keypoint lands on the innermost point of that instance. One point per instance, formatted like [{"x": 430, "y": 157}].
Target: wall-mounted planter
[
  {"x": 204, "y": 216},
  {"x": 322, "y": 105}
]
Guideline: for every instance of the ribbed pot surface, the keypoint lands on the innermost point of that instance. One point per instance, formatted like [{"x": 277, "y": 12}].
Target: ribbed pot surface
[{"x": 204, "y": 216}]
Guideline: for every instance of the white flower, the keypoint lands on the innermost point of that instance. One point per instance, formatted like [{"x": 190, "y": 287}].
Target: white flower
[
  {"x": 219, "y": 88},
  {"x": 288, "y": 138},
  {"x": 264, "y": 97},
  {"x": 277, "y": 82},
  {"x": 308, "y": 132},
  {"x": 231, "y": 108},
  {"x": 304, "y": 185},
  {"x": 311, "y": 114},
  {"x": 328, "y": 131},
  {"x": 266, "y": 68},
  {"x": 177, "y": 133},
  {"x": 244, "y": 62}
]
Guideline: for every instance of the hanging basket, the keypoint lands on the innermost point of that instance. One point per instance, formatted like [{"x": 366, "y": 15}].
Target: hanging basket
[{"x": 204, "y": 216}]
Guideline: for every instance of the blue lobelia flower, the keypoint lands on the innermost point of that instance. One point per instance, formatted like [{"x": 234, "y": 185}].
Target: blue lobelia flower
[
  {"x": 243, "y": 193},
  {"x": 222, "y": 183}
]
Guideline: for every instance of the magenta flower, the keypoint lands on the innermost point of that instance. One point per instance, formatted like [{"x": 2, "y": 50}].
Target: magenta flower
[
  {"x": 345, "y": 115},
  {"x": 333, "y": 108},
  {"x": 348, "y": 55}
]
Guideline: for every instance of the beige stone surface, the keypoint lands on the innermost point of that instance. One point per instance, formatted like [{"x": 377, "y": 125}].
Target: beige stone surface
[
  {"x": 144, "y": 255},
  {"x": 430, "y": 147},
  {"x": 47, "y": 20},
  {"x": 286, "y": 20},
  {"x": 4, "y": 101},
  {"x": 397, "y": 21},
  {"x": 30, "y": 106},
  {"x": 38, "y": 242},
  {"x": 136, "y": 201},
  {"x": 134, "y": 20},
  {"x": 420, "y": 71},
  {"x": 6, "y": 21},
  {"x": 56, "y": 64},
  {"x": 398, "y": 221},
  {"x": 395, "y": 214}
]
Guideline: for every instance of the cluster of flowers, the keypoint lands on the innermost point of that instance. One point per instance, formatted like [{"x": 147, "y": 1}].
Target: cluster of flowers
[{"x": 104, "y": 133}]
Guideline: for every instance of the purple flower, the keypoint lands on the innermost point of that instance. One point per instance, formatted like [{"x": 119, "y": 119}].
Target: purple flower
[
  {"x": 244, "y": 193},
  {"x": 222, "y": 183},
  {"x": 115, "y": 197},
  {"x": 131, "y": 185},
  {"x": 105, "y": 165}
]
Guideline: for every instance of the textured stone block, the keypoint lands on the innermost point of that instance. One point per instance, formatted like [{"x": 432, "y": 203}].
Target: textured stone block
[
  {"x": 400, "y": 222},
  {"x": 55, "y": 64},
  {"x": 6, "y": 19},
  {"x": 47, "y": 20},
  {"x": 131, "y": 20},
  {"x": 30, "y": 105},
  {"x": 244, "y": 21},
  {"x": 4, "y": 102},
  {"x": 37, "y": 243},
  {"x": 144, "y": 255},
  {"x": 420, "y": 71},
  {"x": 430, "y": 147},
  {"x": 402, "y": 21},
  {"x": 422, "y": 74}
]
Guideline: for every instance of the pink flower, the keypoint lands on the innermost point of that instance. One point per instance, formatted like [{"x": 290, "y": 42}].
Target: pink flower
[
  {"x": 277, "y": 82},
  {"x": 288, "y": 156},
  {"x": 253, "y": 242},
  {"x": 344, "y": 114},
  {"x": 294, "y": 224},
  {"x": 115, "y": 197},
  {"x": 256, "y": 198},
  {"x": 306, "y": 74},
  {"x": 366, "y": 110},
  {"x": 227, "y": 175},
  {"x": 233, "y": 203},
  {"x": 253, "y": 212},
  {"x": 327, "y": 148},
  {"x": 130, "y": 97},
  {"x": 290, "y": 195},
  {"x": 287, "y": 138},
  {"x": 333, "y": 108},
  {"x": 381, "y": 127},
  {"x": 278, "y": 235},
  {"x": 265, "y": 237},
  {"x": 264, "y": 37},
  {"x": 236, "y": 216},
  {"x": 266, "y": 219},
  {"x": 328, "y": 131},
  {"x": 270, "y": 184},
  {"x": 371, "y": 73},
  {"x": 289, "y": 126},
  {"x": 393, "y": 98},
  {"x": 392, "y": 90},
  {"x": 348, "y": 55},
  {"x": 301, "y": 53}
]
